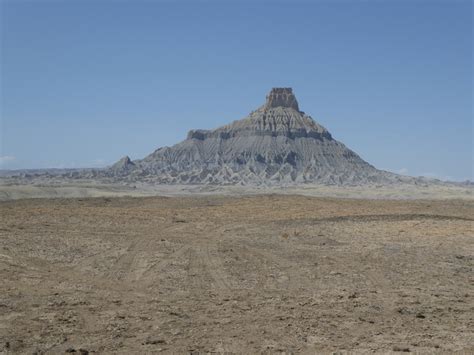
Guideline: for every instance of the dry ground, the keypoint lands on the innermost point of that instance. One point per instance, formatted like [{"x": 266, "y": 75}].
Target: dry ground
[
  {"x": 10, "y": 189},
  {"x": 250, "y": 274}
]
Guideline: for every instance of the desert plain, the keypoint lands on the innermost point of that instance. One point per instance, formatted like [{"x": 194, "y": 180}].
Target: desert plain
[{"x": 240, "y": 274}]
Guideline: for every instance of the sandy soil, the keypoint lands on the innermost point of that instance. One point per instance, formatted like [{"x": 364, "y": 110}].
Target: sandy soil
[
  {"x": 10, "y": 190},
  {"x": 250, "y": 274}
]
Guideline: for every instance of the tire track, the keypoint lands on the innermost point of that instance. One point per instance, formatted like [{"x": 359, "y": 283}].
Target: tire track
[
  {"x": 134, "y": 263},
  {"x": 275, "y": 265},
  {"x": 383, "y": 286},
  {"x": 159, "y": 266},
  {"x": 215, "y": 268},
  {"x": 376, "y": 218},
  {"x": 122, "y": 266}
]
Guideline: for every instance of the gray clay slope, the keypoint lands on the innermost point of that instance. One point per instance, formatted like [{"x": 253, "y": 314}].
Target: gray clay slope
[{"x": 277, "y": 143}]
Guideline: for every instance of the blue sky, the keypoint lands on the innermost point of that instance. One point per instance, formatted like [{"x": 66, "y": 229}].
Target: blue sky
[{"x": 87, "y": 82}]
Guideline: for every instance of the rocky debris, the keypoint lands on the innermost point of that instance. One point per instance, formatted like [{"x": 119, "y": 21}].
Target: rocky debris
[
  {"x": 275, "y": 145},
  {"x": 401, "y": 348},
  {"x": 79, "y": 351},
  {"x": 154, "y": 341}
]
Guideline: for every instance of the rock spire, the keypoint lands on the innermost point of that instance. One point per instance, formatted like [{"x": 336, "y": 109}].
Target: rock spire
[{"x": 281, "y": 97}]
